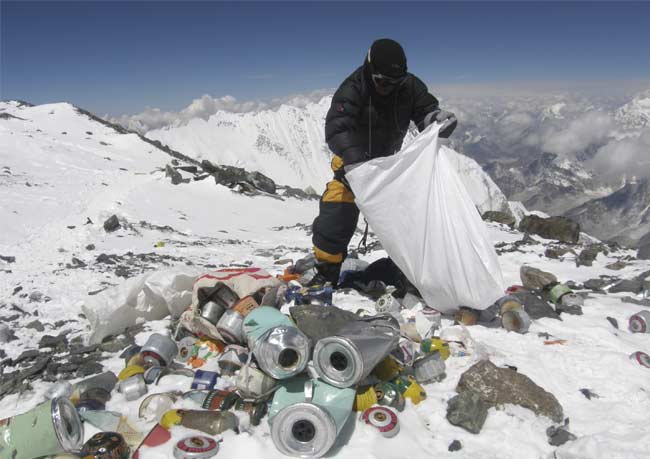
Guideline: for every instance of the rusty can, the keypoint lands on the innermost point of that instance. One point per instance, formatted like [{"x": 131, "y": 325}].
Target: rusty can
[{"x": 516, "y": 320}]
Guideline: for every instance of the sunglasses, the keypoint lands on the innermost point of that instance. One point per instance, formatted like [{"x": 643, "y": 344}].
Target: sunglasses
[{"x": 384, "y": 81}]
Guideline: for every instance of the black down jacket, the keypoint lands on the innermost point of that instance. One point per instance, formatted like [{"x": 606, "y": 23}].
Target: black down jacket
[{"x": 361, "y": 124}]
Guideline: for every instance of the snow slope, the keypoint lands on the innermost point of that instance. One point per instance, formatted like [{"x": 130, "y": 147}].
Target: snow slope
[{"x": 70, "y": 179}]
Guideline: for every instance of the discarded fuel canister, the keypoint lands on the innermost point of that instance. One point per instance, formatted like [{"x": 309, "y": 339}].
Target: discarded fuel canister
[
  {"x": 89, "y": 404},
  {"x": 429, "y": 367},
  {"x": 212, "y": 311},
  {"x": 129, "y": 353},
  {"x": 410, "y": 389},
  {"x": 133, "y": 388},
  {"x": 387, "y": 369},
  {"x": 256, "y": 410},
  {"x": 210, "y": 422},
  {"x": 388, "y": 304},
  {"x": 51, "y": 428},
  {"x": 185, "y": 349},
  {"x": 232, "y": 359},
  {"x": 280, "y": 348},
  {"x": 152, "y": 374},
  {"x": 220, "y": 400},
  {"x": 106, "y": 381},
  {"x": 307, "y": 415},
  {"x": 641, "y": 358},
  {"x": 230, "y": 327},
  {"x": 196, "y": 447},
  {"x": 516, "y": 320},
  {"x": 557, "y": 292},
  {"x": 435, "y": 345},
  {"x": 105, "y": 445},
  {"x": 388, "y": 395},
  {"x": 383, "y": 419},
  {"x": 159, "y": 350},
  {"x": 365, "y": 397},
  {"x": 253, "y": 383},
  {"x": 204, "y": 380},
  {"x": 508, "y": 303},
  {"x": 220, "y": 293},
  {"x": 348, "y": 357},
  {"x": 640, "y": 322}
]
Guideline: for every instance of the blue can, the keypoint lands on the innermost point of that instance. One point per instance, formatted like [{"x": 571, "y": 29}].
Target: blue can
[{"x": 204, "y": 380}]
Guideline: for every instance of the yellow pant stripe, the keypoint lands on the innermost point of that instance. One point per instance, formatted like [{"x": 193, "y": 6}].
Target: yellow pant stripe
[
  {"x": 321, "y": 255},
  {"x": 337, "y": 192}
]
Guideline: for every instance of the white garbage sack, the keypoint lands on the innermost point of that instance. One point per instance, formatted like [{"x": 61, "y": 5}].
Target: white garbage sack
[
  {"x": 426, "y": 221},
  {"x": 150, "y": 296}
]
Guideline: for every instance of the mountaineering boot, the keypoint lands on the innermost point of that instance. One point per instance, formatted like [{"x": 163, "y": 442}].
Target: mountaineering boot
[{"x": 326, "y": 272}]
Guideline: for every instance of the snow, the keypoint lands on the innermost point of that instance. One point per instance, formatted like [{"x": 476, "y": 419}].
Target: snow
[{"x": 71, "y": 180}]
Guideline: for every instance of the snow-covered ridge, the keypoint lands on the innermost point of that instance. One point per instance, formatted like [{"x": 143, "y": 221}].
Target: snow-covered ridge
[{"x": 636, "y": 113}]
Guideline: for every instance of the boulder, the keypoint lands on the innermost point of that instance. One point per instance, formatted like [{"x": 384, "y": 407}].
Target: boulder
[
  {"x": 590, "y": 253},
  {"x": 111, "y": 224},
  {"x": 536, "y": 307},
  {"x": 261, "y": 182},
  {"x": 499, "y": 386},
  {"x": 176, "y": 176},
  {"x": 535, "y": 279},
  {"x": 644, "y": 252},
  {"x": 594, "y": 284},
  {"x": 499, "y": 217},
  {"x": 627, "y": 285},
  {"x": 467, "y": 410},
  {"x": 558, "y": 228}
]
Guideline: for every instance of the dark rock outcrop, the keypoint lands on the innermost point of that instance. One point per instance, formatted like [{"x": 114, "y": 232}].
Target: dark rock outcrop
[{"x": 558, "y": 228}]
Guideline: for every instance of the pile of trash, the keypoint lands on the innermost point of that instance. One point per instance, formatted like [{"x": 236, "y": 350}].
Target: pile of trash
[{"x": 305, "y": 373}]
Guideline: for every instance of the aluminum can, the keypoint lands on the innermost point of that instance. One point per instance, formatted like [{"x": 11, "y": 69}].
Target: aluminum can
[
  {"x": 256, "y": 410},
  {"x": 508, "y": 303},
  {"x": 133, "y": 388},
  {"x": 185, "y": 349},
  {"x": 347, "y": 358},
  {"x": 557, "y": 292},
  {"x": 640, "y": 322},
  {"x": 230, "y": 327},
  {"x": 219, "y": 400},
  {"x": 253, "y": 383},
  {"x": 159, "y": 350},
  {"x": 641, "y": 358},
  {"x": 212, "y": 311},
  {"x": 210, "y": 422},
  {"x": 383, "y": 419},
  {"x": 196, "y": 447},
  {"x": 388, "y": 395},
  {"x": 51, "y": 428},
  {"x": 232, "y": 359}
]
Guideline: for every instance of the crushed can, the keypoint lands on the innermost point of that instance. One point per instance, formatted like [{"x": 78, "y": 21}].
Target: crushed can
[
  {"x": 129, "y": 353},
  {"x": 430, "y": 367},
  {"x": 388, "y": 395},
  {"x": 253, "y": 383},
  {"x": 51, "y": 428},
  {"x": 159, "y": 350},
  {"x": 209, "y": 422},
  {"x": 307, "y": 415},
  {"x": 516, "y": 320},
  {"x": 196, "y": 447},
  {"x": 280, "y": 348},
  {"x": 232, "y": 359},
  {"x": 508, "y": 303},
  {"x": 105, "y": 445},
  {"x": 435, "y": 345},
  {"x": 133, "y": 388},
  {"x": 230, "y": 327},
  {"x": 211, "y": 311},
  {"x": 383, "y": 419},
  {"x": 255, "y": 410},
  {"x": 220, "y": 400},
  {"x": 641, "y": 358},
  {"x": 640, "y": 322},
  {"x": 410, "y": 389},
  {"x": 348, "y": 357}
]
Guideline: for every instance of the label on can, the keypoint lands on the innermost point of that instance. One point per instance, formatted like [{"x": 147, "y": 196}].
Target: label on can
[
  {"x": 204, "y": 380},
  {"x": 197, "y": 447},
  {"x": 245, "y": 305},
  {"x": 383, "y": 419}
]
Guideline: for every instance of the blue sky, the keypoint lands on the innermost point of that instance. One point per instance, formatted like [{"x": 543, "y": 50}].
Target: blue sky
[{"x": 118, "y": 57}]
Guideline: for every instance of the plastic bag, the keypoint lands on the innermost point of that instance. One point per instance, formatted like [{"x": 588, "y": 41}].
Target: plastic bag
[{"x": 418, "y": 207}]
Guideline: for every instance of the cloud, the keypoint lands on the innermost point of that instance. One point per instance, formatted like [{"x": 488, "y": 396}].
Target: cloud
[
  {"x": 627, "y": 157},
  {"x": 206, "y": 106},
  {"x": 590, "y": 129}
]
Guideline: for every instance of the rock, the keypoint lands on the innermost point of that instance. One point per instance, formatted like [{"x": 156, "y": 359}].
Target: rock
[
  {"x": 26, "y": 355},
  {"x": 594, "y": 284},
  {"x": 536, "y": 307},
  {"x": 36, "y": 296},
  {"x": 556, "y": 251},
  {"x": 114, "y": 344},
  {"x": 613, "y": 321},
  {"x": 107, "y": 259},
  {"x": 499, "y": 386},
  {"x": 558, "y": 436},
  {"x": 190, "y": 169},
  {"x": 467, "y": 410},
  {"x": 38, "y": 367},
  {"x": 297, "y": 193},
  {"x": 8, "y": 259},
  {"x": 627, "y": 285},
  {"x": 588, "y": 394},
  {"x": 641, "y": 302},
  {"x": 617, "y": 266},
  {"x": 558, "y": 228},
  {"x": 589, "y": 254},
  {"x": 58, "y": 343},
  {"x": 80, "y": 349},
  {"x": 499, "y": 217},
  {"x": 535, "y": 279},
  {"x": 89, "y": 368},
  {"x": 455, "y": 446},
  {"x": 36, "y": 325},
  {"x": 644, "y": 252},
  {"x": 111, "y": 224},
  {"x": 90, "y": 247},
  {"x": 176, "y": 176},
  {"x": 261, "y": 182},
  {"x": 6, "y": 334},
  {"x": 318, "y": 322},
  {"x": 77, "y": 263},
  {"x": 209, "y": 166}
]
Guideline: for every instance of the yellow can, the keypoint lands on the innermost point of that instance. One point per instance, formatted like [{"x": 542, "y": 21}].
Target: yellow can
[
  {"x": 429, "y": 346},
  {"x": 365, "y": 398},
  {"x": 129, "y": 371},
  {"x": 170, "y": 418},
  {"x": 387, "y": 369}
]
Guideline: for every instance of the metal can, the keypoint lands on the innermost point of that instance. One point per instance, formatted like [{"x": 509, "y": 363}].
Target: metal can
[
  {"x": 383, "y": 419},
  {"x": 89, "y": 404},
  {"x": 159, "y": 350},
  {"x": 186, "y": 349},
  {"x": 105, "y": 445},
  {"x": 231, "y": 327},
  {"x": 435, "y": 345},
  {"x": 129, "y": 353},
  {"x": 256, "y": 410},
  {"x": 365, "y": 397},
  {"x": 196, "y": 447},
  {"x": 212, "y": 311},
  {"x": 388, "y": 395},
  {"x": 51, "y": 428},
  {"x": 219, "y": 293},
  {"x": 508, "y": 303},
  {"x": 204, "y": 380},
  {"x": 232, "y": 359},
  {"x": 245, "y": 305},
  {"x": 220, "y": 400},
  {"x": 106, "y": 381},
  {"x": 253, "y": 383},
  {"x": 130, "y": 371},
  {"x": 430, "y": 367},
  {"x": 210, "y": 422},
  {"x": 640, "y": 322},
  {"x": 152, "y": 374},
  {"x": 467, "y": 316},
  {"x": 388, "y": 304},
  {"x": 133, "y": 388},
  {"x": 516, "y": 320},
  {"x": 641, "y": 358},
  {"x": 557, "y": 292},
  {"x": 410, "y": 389}
]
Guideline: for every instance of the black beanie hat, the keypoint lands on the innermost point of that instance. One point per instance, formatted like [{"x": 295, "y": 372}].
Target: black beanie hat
[{"x": 387, "y": 57}]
